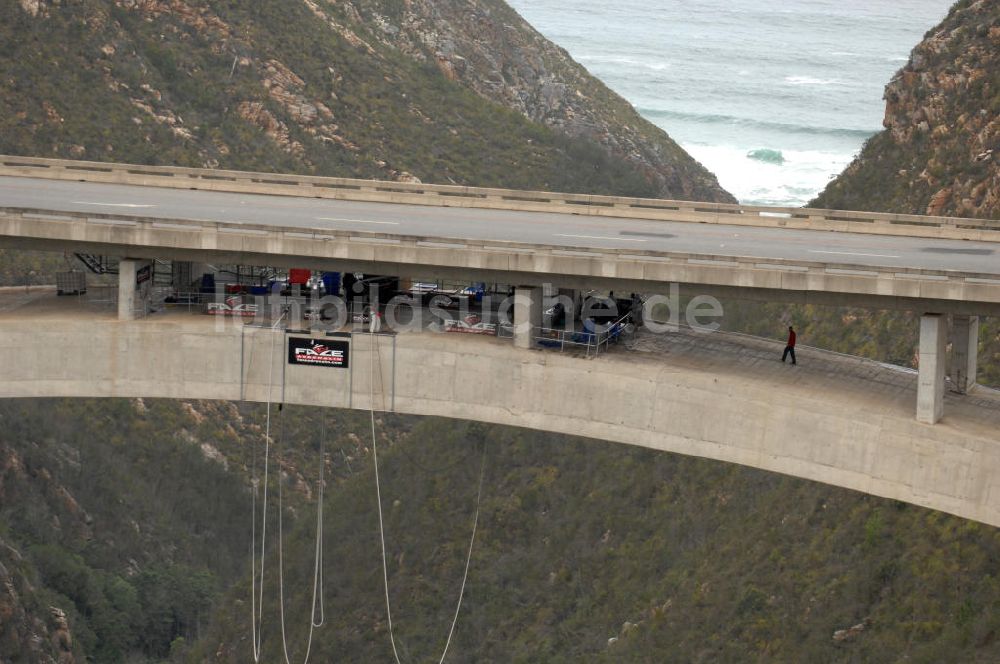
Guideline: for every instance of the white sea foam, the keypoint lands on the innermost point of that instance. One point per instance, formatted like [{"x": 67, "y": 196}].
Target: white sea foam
[
  {"x": 624, "y": 60},
  {"x": 810, "y": 80},
  {"x": 794, "y": 181}
]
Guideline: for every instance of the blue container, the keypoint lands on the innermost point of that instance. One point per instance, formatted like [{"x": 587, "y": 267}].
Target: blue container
[
  {"x": 331, "y": 283},
  {"x": 258, "y": 290},
  {"x": 208, "y": 283}
]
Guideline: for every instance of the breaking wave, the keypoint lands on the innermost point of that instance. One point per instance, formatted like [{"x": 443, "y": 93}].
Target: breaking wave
[{"x": 767, "y": 156}]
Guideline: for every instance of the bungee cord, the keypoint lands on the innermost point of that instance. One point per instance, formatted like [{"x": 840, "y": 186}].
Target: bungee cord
[
  {"x": 317, "y": 559},
  {"x": 257, "y": 602},
  {"x": 317, "y": 605},
  {"x": 257, "y": 596},
  {"x": 373, "y": 349}
]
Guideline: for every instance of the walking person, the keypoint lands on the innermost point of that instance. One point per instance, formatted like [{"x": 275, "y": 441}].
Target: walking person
[{"x": 790, "y": 347}]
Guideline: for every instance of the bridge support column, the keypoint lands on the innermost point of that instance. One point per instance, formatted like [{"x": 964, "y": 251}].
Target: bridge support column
[
  {"x": 930, "y": 380},
  {"x": 964, "y": 352},
  {"x": 527, "y": 315},
  {"x": 135, "y": 283}
]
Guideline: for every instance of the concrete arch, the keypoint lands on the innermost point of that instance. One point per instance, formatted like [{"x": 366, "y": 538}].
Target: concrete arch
[{"x": 847, "y": 424}]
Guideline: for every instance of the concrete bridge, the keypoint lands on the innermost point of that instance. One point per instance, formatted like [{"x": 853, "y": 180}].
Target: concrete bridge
[
  {"x": 834, "y": 419},
  {"x": 850, "y": 428},
  {"x": 943, "y": 268}
]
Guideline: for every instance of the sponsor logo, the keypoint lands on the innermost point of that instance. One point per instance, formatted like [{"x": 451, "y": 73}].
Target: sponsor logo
[
  {"x": 317, "y": 352},
  {"x": 470, "y": 326},
  {"x": 233, "y": 306}
]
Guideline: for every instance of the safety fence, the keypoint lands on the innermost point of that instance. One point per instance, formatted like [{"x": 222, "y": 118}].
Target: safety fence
[{"x": 591, "y": 341}]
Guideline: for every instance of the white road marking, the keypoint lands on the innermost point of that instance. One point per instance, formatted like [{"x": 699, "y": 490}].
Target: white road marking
[
  {"x": 124, "y": 205},
  {"x": 851, "y": 253},
  {"x": 601, "y": 237},
  {"x": 359, "y": 221}
]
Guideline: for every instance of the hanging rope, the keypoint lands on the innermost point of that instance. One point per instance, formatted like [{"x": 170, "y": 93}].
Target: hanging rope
[
  {"x": 257, "y": 601},
  {"x": 318, "y": 554},
  {"x": 257, "y": 598},
  {"x": 373, "y": 349}
]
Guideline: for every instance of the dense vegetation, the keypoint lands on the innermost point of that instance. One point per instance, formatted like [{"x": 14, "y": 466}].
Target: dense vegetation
[
  {"x": 580, "y": 542},
  {"x": 103, "y": 512},
  {"x": 265, "y": 86},
  {"x": 132, "y": 517}
]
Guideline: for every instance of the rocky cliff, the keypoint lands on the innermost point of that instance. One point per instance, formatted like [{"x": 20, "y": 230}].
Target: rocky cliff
[
  {"x": 461, "y": 92},
  {"x": 487, "y": 46},
  {"x": 939, "y": 154},
  {"x": 940, "y": 151}
]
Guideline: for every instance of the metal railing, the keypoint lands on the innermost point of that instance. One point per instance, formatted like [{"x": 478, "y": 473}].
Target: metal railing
[
  {"x": 592, "y": 342},
  {"x": 505, "y": 199}
]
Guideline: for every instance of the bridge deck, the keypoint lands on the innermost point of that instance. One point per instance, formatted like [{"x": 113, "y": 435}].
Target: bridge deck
[{"x": 547, "y": 229}]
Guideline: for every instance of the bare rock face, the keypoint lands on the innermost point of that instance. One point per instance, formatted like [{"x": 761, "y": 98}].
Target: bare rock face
[
  {"x": 256, "y": 114},
  {"x": 24, "y": 635},
  {"x": 33, "y": 7},
  {"x": 940, "y": 151},
  {"x": 62, "y": 640}
]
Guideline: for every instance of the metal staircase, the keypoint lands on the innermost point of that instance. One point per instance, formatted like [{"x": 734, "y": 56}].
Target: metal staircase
[{"x": 98, "y": 264}]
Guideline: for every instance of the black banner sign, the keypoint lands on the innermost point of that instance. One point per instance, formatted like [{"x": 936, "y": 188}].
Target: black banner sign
[{"x": 318, "y": 352}]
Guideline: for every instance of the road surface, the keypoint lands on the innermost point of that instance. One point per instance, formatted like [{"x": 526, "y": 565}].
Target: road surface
[{"x": 569, "y": 231}]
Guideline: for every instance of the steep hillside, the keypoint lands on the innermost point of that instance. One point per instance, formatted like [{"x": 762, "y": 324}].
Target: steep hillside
[
  {"x": 594, "y": 552},
  {"x": 122, "y": 522},
  {"x": 487, "y": 46},
  {"x": 317, "y": 87},
  {"x": 107, "y": 546},
  {"x": 940, "y": 151}
]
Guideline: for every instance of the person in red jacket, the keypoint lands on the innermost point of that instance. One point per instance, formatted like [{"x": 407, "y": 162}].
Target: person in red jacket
[{"x": 790, "y": 348}]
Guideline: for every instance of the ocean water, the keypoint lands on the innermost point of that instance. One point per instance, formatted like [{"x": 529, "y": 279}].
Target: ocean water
[{"x": 775, "y": 98}]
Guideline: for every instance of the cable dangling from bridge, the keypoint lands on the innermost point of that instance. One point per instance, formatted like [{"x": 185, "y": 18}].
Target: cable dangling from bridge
[
  {"x": 373, "y": 349},
  {"x": 317, "y": 591},
  {"x": 257, "y": 599}
]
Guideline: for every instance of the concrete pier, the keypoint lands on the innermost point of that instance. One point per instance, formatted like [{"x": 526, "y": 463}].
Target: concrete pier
[
  {"x": 964, "y": 353},
  {"x": 930, "y": 381},
  {"x": 133, "y": 294}
]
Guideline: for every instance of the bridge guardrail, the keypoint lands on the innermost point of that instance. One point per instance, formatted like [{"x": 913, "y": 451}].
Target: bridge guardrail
[{"x": 503, "y": 199}]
